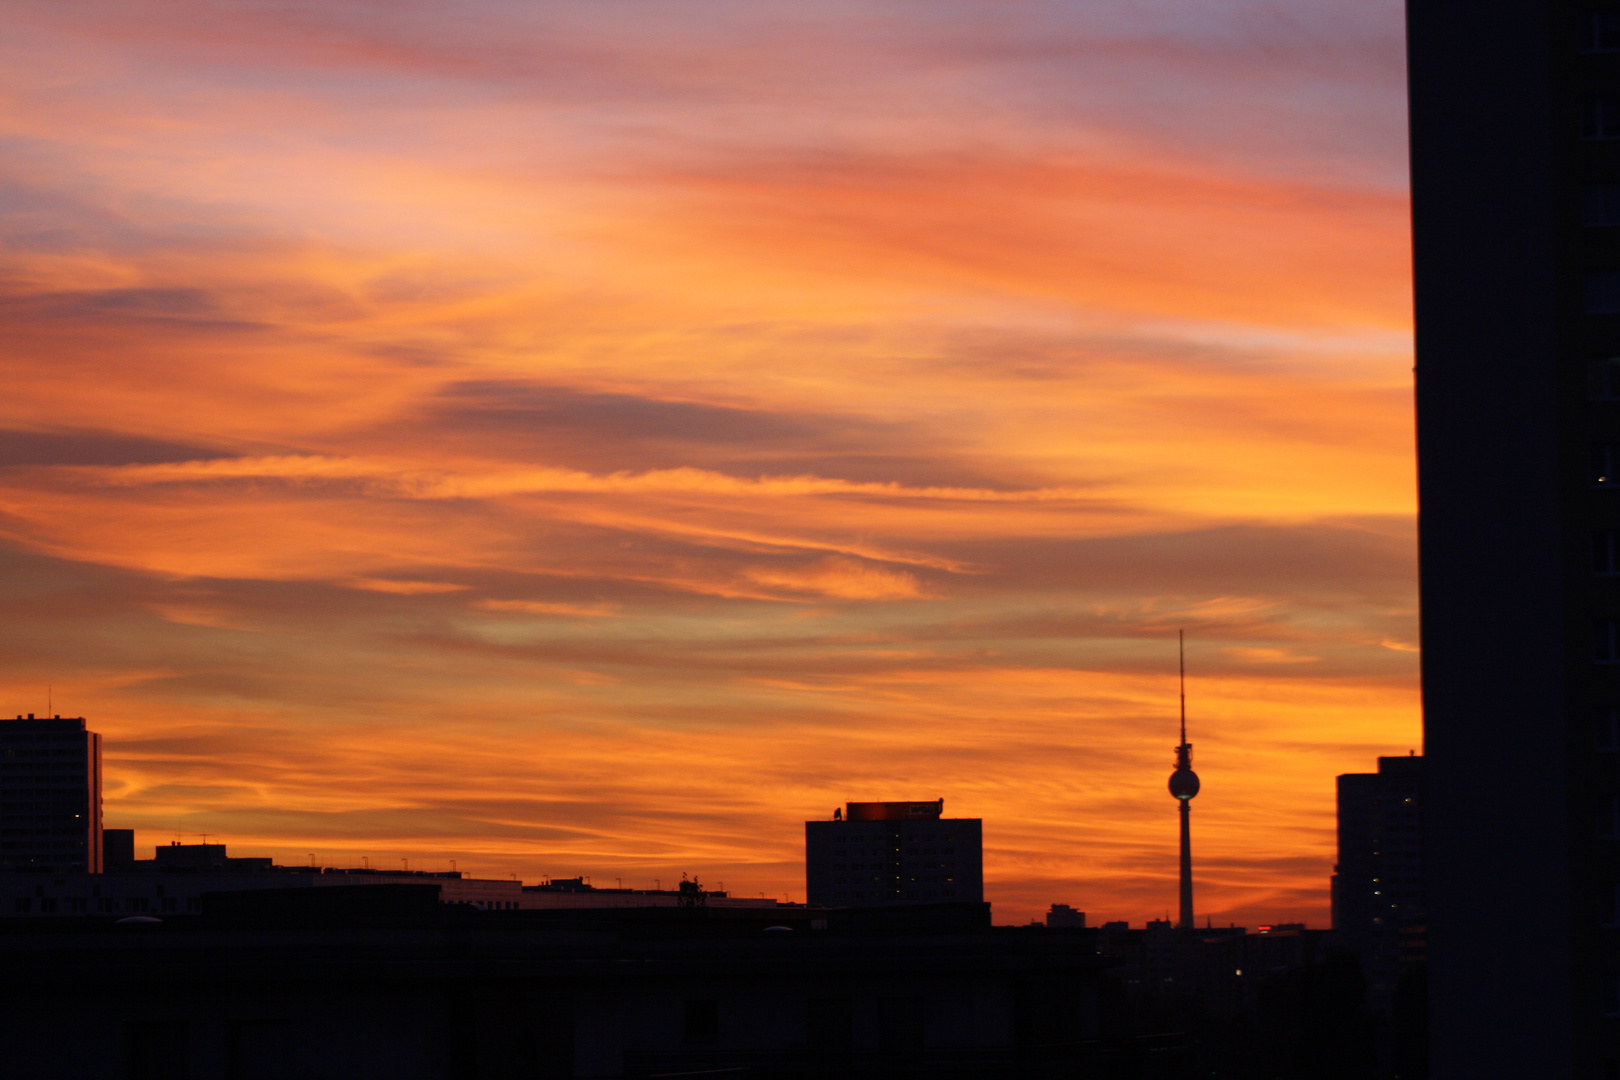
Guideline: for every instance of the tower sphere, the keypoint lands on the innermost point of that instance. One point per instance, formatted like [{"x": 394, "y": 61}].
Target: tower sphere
[{"x": 1183, "y": 783}]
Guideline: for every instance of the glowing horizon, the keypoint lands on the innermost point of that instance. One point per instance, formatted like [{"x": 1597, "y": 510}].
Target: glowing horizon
[{"x": 597, "y": 439}]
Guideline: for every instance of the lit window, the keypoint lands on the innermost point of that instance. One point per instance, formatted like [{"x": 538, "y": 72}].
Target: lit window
[
  {"x": 1602, "y": 463},
  {"x": 1600, "y": 116}
]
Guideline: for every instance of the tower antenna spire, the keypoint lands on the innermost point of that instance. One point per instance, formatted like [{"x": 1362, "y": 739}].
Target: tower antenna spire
[{"x": 1181, "y": 655}]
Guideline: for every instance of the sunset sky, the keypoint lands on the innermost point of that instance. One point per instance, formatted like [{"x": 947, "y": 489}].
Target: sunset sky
[{"x": 594, "y": 438}]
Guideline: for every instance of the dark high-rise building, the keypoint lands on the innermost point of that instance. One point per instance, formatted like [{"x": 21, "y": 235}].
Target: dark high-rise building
[
  {"x": 1515, "y": 143},
  {"x": 879, "y": 853},
  {"x": 50, "y": 795},
  {"x": 1378, "y": 882}
]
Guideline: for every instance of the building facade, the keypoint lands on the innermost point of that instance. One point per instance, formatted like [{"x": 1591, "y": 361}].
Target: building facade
[
  {"x": 1378, "y": 880},
  {"x": 1515, "y": 144},
  {"x": 881, "y": 853},
  {"x": 377, "y": 986},
  {"x": 50, "y": 795}
]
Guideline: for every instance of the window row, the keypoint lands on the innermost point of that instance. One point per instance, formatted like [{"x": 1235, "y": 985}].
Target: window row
[
  {"x": 840, "y": 895},
  {"x": 81, "y": 905}
]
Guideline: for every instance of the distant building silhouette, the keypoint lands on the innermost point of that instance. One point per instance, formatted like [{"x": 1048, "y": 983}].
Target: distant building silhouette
[
  {"x": 205, "y": 859},
  {"x": 877, "y": 853},
  {"x": 174, "y": 882},
  {"x": 1515, "y": 128},
  {"x": 1378, "y": 881},
  {"x": 117, "y": 850},
  {"x": 1064, "y": 915},
  {"x": 50, "y": 795}
]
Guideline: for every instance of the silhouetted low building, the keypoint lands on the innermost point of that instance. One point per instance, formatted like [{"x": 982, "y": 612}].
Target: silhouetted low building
[
  {"x": 207, "y": 858},
  {"x": 559, "y": 893},
  {"x": 893, "y": 853},
  {"x": 1064, "y": 915},
  {"x": 173, "y": 882},
  {"x": 117, "y": 850},
  {"x": 280, "y": 983}
]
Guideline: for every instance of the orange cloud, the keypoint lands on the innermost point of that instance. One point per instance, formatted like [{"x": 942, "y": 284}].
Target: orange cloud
[
  {"x": 842, "y": 578},
  {"x": 565, "y": 447}
]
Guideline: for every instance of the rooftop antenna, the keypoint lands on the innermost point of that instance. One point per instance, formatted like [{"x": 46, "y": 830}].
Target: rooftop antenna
[{"x": 48, "y": 705}]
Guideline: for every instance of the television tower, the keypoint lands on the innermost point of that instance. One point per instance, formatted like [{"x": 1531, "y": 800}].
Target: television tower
[{"x": 1184, "y": 785}]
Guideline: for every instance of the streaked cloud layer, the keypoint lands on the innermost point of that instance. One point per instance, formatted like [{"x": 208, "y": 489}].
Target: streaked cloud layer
[{"x": 593, "y": 438}]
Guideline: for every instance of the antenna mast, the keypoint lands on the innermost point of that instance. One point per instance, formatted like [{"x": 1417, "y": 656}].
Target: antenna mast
[{"x": 1181, "y": 655}]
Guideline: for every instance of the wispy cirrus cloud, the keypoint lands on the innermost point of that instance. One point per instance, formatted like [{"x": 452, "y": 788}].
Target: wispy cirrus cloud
[{"x": 513, "y": 437}]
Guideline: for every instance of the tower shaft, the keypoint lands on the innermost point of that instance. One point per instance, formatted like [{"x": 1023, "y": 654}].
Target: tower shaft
[{"x": 1186, "y": 922}]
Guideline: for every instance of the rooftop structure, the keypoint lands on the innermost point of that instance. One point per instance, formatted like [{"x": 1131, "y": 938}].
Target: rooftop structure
[{"x": 881, "y": 853}]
